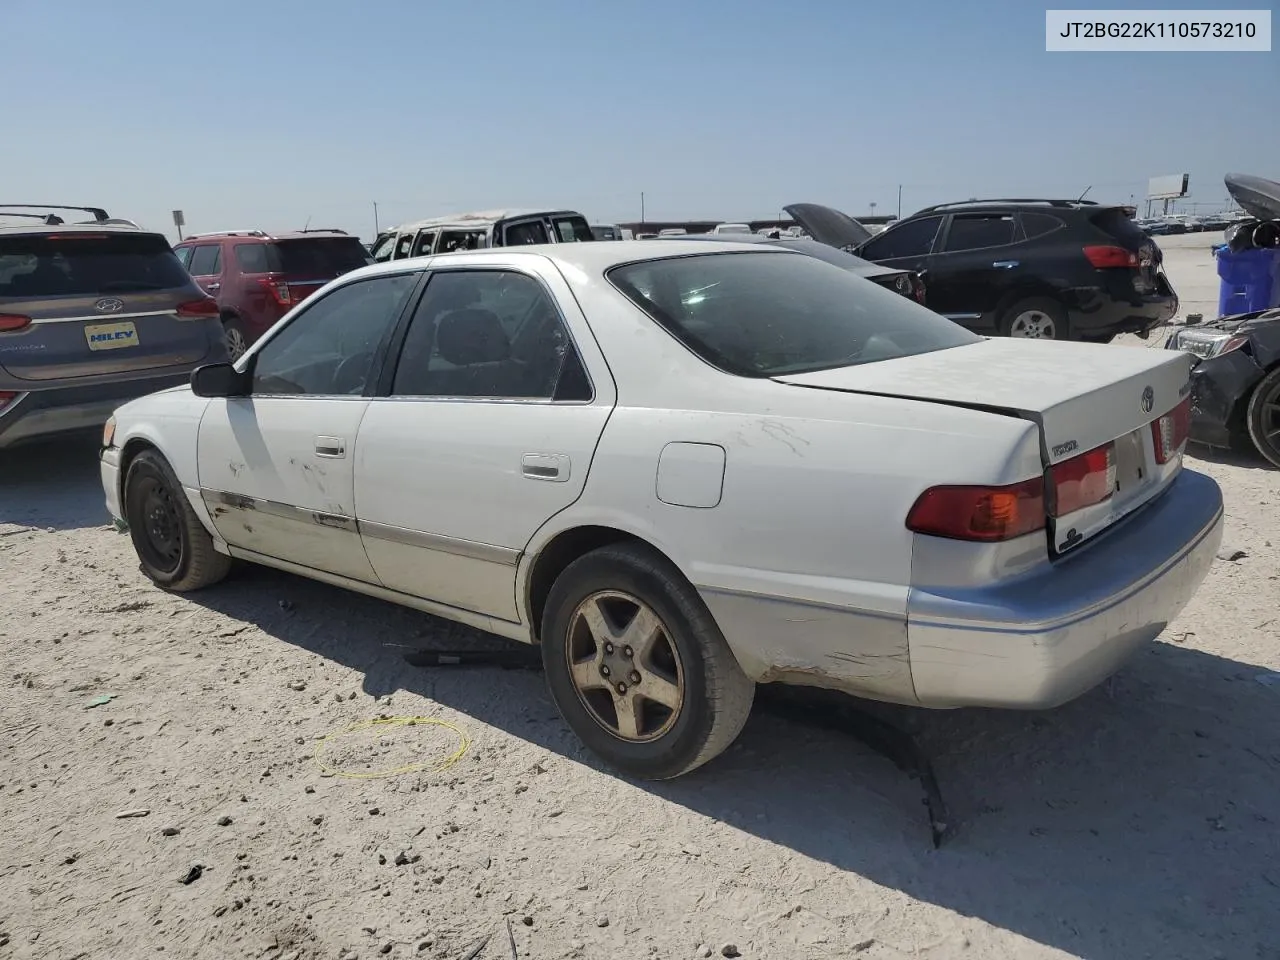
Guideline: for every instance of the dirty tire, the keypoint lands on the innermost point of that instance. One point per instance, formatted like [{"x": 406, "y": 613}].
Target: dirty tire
[
  {"x": 1014, "y": 318},
  {"x": 1263, "y": 416},
  {"x": 175, "y": 550},
  {"x": 717, "y": 694}
]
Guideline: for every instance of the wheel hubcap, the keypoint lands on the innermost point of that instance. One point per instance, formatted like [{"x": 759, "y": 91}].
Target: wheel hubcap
[
  {"x": 625, "y": 666},
  {"x": 161, "y": 526},
  {"x": 1034, "y": 325},
  {"x": 235, "y": 343}
]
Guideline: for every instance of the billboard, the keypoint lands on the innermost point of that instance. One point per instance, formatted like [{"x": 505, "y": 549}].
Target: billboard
[{"x": 1168, "y": 187}]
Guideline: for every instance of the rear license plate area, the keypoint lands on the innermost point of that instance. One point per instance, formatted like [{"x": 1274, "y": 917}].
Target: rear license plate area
[{"x": 111, "y": 336}]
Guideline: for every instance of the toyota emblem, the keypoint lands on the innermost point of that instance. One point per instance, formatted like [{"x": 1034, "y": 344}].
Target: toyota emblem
[
  {"x": 1148, "y": 400},
  {"x": 109, "y": 305}
]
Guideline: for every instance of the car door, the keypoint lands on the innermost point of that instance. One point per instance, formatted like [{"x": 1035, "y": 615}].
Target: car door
[
  {"x": 206, "y": 267},
  {"x": 276, "y": 468},
  {"x": 486, "y": 430},
  {"x": 973, "y": 265}
]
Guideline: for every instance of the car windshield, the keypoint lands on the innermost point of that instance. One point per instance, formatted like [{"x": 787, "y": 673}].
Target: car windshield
[
  {"x": 320, "y": 258},
  {"x": 772, "y": 313},
  {"x": 76, "y": 264}
]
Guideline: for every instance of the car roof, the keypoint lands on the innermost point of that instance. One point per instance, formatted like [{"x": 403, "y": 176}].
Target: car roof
[
  {"x": 480, "y": 218},
  {"x": 591, "y": 257},
  {"x": 264, "y": 235},
  {"x": 127, "y": 229}
]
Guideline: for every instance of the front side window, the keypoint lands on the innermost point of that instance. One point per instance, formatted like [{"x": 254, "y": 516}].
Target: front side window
[
  {"x": 976, "y": 231},
  {"x": 206, "y": 261},
  {"x": 573, "y": 230},
  {"x": 383, "y": 250},
  {"x": 330, "y": 348},
  {"x": 773, "y": 313},
  {"x": 403, "y": 245},
  {"x": 489, "y": 334},
  {"x": 183, "y": 254},
  {"x": 424, "y": 243},
  {"x": 914, "y": 238}
]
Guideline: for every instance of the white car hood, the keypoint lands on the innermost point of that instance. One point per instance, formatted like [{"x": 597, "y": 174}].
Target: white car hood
[{"x": 1082, "y": 395}]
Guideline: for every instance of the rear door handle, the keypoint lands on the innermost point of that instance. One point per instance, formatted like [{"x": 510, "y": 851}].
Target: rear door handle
[
  {"x": 332, "y": 447},
  {"x": 1005, "y": 264},
  {"x": 545, "y": 466},
  {"x": 213, "y": 286}
]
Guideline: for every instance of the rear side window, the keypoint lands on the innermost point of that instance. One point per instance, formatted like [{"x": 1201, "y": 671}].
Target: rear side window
[
  {"x": 529, "y": 231},
  {"x": 1038, "y": 224},
  {"x": 252, "y": 257},
  {"x": 572, "y": 229},
  {"x": 321, "y": 258},
  {"x": 206, "y": 261},
  {"x": 768, "y": 314},
  {"x": 974, "y": 231},
  {"x": 68, "y": 265},
  {"x": 914, "y": 238}
]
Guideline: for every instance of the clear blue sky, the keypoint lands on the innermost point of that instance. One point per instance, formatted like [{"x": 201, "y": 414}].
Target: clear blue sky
[{"x": 266, "y": 113}]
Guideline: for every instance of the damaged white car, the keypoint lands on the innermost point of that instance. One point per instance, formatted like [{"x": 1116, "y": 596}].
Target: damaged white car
[{"x": 684, "y": 472}]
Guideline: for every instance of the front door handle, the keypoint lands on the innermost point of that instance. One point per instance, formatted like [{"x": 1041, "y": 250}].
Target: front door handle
[
  {"x": 1005, "y": 264},
  {"x": 211, "y": 287},
  {"x": 333, "y": 447},
  {"x": 545, "y": 466}
]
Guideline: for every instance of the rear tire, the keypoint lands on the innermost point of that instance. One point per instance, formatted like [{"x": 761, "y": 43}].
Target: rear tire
[
  {"x": 638, "y": 667},
  {"x": 1263, "y": 416},
  {"x": 235, "y": 337},
  {"x": 175, "y": 550},
  {"x": 1036, "y": 318}
]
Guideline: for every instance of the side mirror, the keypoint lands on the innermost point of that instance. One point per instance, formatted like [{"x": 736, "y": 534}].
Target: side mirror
[{"x": 220, "y": 380}]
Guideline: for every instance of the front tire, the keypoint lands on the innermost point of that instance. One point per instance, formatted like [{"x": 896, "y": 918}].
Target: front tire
[
  {"x": 1036, "y": 318},
  {"x": 1263, "y": 416},
  {"x": 175, "y": 550},
  {"x": 637, "y": 665}
]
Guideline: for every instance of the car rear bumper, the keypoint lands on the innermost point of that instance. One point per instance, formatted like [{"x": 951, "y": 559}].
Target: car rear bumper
[
  {"x": 45, "y": 413},
  {"x": 1098, "y": 313},
  {"x": 1045, "y": 639}
]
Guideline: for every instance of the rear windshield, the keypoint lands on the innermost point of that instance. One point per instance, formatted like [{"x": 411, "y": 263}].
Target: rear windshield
[
  {"x": 77, "y": 264},
  {"x": 320, "y": 258},
  {"x": 1118, "y": 225},
  {"x": 766, "y": 314}
]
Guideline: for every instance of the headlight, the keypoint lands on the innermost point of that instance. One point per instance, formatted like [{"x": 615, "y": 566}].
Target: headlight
[
  {"x": 1205, "y": 344},
  {"x": 109, "y": 432}
]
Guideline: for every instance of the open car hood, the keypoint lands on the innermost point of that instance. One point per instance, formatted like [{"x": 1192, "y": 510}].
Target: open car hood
[
  {"x": 829, "y": 226},
  {"x": 1257, "y": 196}
]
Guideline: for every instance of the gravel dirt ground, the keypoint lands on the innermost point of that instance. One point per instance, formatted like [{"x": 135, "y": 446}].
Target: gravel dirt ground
[{"x": 1142, "y": 820}]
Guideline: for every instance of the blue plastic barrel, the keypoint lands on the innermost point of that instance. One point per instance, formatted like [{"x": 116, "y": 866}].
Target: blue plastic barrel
[{"x": 1248, "y": 280}]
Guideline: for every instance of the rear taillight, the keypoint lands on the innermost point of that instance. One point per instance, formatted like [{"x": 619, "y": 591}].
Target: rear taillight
[
  {"x": 1082, "y": 481},
  {"x": 13, "y": 321},
  {"x": 6, "y": 398},
  {"x": 1169, "y": 433},
  {"x": 201, "y": 309},
  {"x": 279, "y": 290},
  {"x": 985, "y": 514},
  {"x": 1107, "y": 257}
]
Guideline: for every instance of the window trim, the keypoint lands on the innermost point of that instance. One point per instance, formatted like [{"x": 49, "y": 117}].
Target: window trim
[
  {"x": 391, "y": 360},
  {"x": 248, "y": 363}
]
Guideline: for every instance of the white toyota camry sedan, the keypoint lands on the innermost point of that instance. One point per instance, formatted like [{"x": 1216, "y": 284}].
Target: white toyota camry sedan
[{"x": 685, "y": 472}]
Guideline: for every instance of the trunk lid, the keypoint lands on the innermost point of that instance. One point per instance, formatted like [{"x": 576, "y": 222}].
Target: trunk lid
[
  {"x": 1082, "y": 396},
  {"x": 307, "y": 263},
  {"x": 829, "y": 226},
  {"x": 100, "y": 304}
]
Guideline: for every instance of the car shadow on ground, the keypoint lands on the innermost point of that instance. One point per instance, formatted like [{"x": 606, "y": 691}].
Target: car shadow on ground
[
  {"x": 1246, "y": 460},
  {"x": 52, "y": 484},
  {"x": 1139, "y": 821}
]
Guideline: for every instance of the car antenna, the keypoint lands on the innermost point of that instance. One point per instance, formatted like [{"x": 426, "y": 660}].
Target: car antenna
[
  {"x": 307, "y": 224},
  {"x": 1086, "y": 190}
]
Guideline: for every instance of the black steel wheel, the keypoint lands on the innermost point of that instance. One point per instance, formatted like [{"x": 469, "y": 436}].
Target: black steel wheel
[{"x": 1263, "y": 416}]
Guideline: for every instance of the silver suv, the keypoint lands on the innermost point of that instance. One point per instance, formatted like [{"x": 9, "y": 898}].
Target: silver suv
[{"x": 92, "y": 314}]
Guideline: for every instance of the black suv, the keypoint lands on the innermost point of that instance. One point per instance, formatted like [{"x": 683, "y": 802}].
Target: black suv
[{"x": 1050, "y": 269}]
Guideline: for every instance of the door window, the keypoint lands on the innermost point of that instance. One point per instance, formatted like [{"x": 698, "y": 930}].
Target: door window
[
  {"x": 184, "y": 255},
  {"x": 489, "y": 333},
  {"x": 575, "y": 230},
  {"x": 527, "y": 231},
  {"x": 330, "y": 348},
  {"x": 382, "y": 252},
  {"x": 911, "y": 239},
  {"x": 206, "y": 261},
  {"x": 424, "y": 243},
  {"x": 404, "y": 243},
  {"x": 975, "y": 231},
  {"x": 455, "y": 240}
]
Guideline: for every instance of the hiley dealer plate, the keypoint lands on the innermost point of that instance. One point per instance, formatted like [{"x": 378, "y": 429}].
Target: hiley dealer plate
[{"x": 111, "y": 336}]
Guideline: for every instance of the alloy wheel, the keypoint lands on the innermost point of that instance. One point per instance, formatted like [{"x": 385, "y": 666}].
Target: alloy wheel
[
  {"x": 236, "y": 345},
  {"x": 1034, "y": 325}
]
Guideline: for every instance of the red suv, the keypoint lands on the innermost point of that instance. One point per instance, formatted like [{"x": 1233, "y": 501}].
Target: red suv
[{"x": 258, "y": 277}]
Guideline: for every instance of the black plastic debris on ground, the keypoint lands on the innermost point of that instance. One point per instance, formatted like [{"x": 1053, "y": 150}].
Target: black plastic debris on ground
[{"x": 841, "y": 715}]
